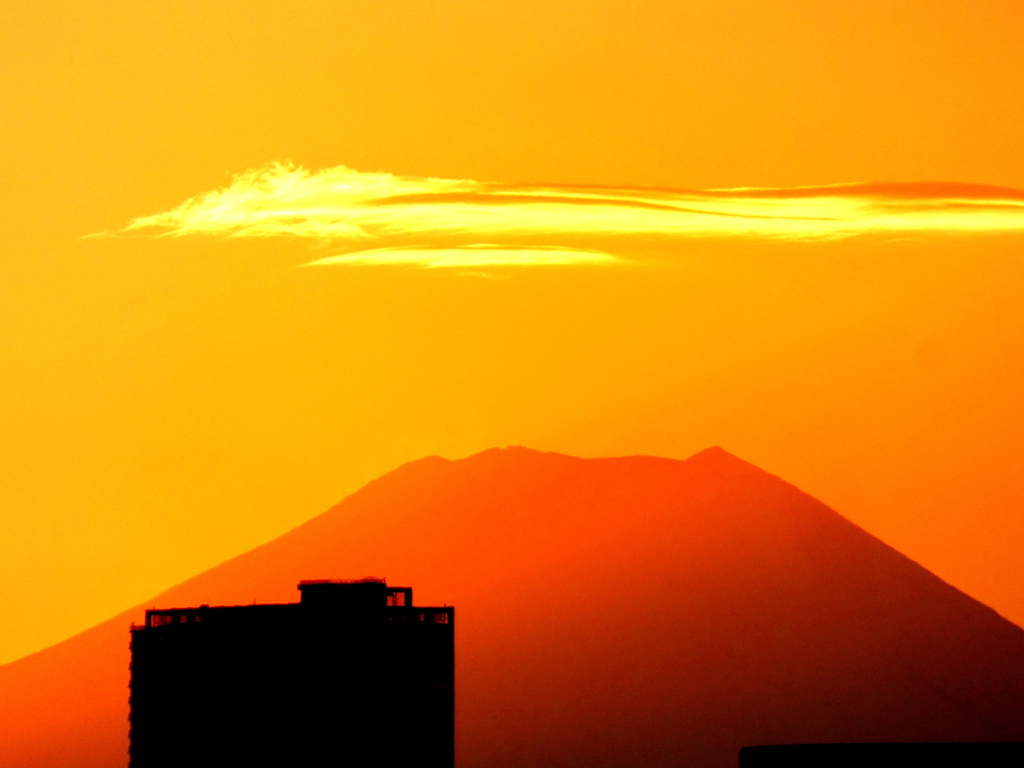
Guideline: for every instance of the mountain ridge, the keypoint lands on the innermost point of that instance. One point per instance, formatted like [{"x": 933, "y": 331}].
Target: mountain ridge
[{"x": 764, "y": 615}]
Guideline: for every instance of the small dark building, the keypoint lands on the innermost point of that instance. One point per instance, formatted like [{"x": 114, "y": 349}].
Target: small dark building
[
  {"x": 963, "y": 754},
  {"x": 352, "y": 675}
]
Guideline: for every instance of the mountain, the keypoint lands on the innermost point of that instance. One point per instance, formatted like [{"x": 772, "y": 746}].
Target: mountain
[{"x": 610, "y": 612}]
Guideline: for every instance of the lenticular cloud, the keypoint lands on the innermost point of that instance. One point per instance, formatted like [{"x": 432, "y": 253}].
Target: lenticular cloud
[{"x": 373, "y": 216}]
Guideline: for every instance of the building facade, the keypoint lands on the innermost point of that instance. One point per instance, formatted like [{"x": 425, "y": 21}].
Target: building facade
[{"x": 351, "y": 675}]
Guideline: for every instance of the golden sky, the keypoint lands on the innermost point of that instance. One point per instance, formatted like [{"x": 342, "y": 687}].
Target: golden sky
[{"x": 792, "y": 229}]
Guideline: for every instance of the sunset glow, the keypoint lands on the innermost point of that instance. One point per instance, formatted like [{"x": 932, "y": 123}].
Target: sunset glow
[
  {"x": 256, "y": 256},
  {"x": 340, "y": 204}
]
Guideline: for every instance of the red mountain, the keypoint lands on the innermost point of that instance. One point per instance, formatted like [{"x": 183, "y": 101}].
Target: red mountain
[{"x": 629, "y": 611}]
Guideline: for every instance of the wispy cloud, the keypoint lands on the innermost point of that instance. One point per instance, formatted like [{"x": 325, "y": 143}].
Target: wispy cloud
[
  {"x": 477, "y": 255},
  {"x": 351, "y": 208}
]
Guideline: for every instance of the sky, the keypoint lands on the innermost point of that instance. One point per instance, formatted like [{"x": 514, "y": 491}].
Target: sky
[{"x": 253, "y": 255}]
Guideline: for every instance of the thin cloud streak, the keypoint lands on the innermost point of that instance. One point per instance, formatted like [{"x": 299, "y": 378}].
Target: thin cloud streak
[
  {"x": 343, "y": 205},
  {"x": 477, "y": 255}
]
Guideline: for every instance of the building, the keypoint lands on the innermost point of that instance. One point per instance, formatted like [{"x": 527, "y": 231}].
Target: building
[
  {"x": 895, "y": 754},
  {"x": 351, "y": 675}
]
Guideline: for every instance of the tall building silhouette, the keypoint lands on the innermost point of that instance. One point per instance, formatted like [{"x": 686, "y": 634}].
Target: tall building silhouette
[{"x": 352, "y": 675}]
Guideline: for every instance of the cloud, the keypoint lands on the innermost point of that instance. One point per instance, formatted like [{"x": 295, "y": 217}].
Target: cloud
[
  {"x": 477, "y": 255},
  {"x": 346, "y": 207}
]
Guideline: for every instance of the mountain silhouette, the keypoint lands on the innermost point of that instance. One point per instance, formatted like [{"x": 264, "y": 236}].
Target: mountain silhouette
[{"x": 612, "y": 612}]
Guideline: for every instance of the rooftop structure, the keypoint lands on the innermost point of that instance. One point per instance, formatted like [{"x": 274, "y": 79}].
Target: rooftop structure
[{"x": 352, "y": 675}]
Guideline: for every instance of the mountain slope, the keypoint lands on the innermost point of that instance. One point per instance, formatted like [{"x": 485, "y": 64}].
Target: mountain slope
[{"x": 610, "y": 612}]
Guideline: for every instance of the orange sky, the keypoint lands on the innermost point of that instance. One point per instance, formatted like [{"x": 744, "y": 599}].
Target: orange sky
[{"x": 166, "y": 403}]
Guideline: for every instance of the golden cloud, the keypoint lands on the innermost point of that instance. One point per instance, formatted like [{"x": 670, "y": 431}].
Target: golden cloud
[
  {"x": 341, "y": 205},
  {"x": 476, "y": 255}
]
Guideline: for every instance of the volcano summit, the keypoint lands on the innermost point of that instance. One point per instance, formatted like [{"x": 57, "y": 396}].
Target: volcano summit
[{"x": 613, "y": 612}]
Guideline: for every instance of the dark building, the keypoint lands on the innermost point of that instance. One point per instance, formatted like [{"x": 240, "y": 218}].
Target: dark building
[
  {"x": 962, "y": 754},
  {"x": 352, "y": 675}
]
